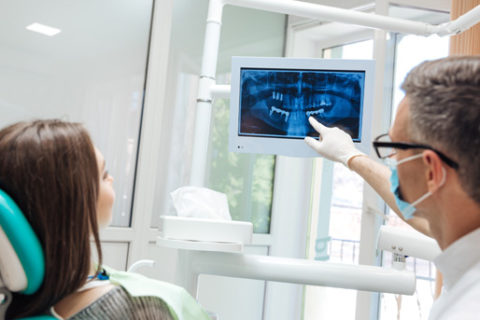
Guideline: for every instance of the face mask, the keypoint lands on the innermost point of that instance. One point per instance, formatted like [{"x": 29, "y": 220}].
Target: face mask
[{"x": 407, "y": 209}]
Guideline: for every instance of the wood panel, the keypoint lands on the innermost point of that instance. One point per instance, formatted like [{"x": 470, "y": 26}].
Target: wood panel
[{"x": 468, "y": 42}]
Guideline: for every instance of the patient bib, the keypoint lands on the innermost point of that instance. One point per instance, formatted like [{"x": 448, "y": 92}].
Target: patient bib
[{"x": 181, "y": 304}]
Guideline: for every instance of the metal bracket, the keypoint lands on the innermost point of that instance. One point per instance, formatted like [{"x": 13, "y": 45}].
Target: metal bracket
[
  {"x": 204, "y": 100},
  {"x": 321, "y": 248},
  {"x": 207, "y": 77},
  {"x": 6, "y": 299}
]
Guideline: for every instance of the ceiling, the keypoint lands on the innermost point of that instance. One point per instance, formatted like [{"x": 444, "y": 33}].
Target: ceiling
[{"x": 91, "y": 30}]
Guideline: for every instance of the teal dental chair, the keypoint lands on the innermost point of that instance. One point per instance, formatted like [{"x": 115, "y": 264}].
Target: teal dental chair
[{"x": 22, "y": 266}]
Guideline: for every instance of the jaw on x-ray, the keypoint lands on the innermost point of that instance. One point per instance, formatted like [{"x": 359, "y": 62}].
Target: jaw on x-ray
[{"x": 279, "y": 102}]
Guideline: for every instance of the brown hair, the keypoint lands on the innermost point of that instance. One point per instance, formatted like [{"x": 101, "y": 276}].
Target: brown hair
[
  {"x": 49, "y": 167},
  {"x": 444, "y": 97}
]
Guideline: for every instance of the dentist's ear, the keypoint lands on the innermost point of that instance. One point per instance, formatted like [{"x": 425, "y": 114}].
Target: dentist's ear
[{"x": 435, "y": 172}]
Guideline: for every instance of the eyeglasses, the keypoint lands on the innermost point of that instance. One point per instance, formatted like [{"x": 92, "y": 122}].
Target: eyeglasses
[{"x": 385, "y": 148}]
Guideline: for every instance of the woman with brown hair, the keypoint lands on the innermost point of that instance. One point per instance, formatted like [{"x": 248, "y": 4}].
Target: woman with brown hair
[{"x": 59, "y": 180}]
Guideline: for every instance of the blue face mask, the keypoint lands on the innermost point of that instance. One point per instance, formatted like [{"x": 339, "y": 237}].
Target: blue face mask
[{"x": 407, "y": 209}]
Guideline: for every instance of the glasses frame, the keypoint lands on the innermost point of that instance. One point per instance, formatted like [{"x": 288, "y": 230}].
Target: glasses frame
[{"x": 407, "y": 145}]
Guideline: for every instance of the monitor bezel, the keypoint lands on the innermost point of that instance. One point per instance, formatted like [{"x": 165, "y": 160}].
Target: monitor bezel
[{"x": 288, "y": 146}]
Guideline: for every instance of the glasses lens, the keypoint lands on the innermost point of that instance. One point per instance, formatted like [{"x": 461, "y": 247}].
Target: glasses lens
[{"x": 385, "y": 151}]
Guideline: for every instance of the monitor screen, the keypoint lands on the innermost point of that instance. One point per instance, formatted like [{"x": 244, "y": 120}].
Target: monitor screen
[
  {"x": 272, "y": 99},
  {"x": 278, "y": 102}
]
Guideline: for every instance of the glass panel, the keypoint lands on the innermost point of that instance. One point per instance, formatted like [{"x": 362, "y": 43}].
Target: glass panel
[
  {"x": 92, "y": 71},
  {"x": 410, "y": 51},
  {"x": 343, "y": 216},
  {"x": 246, "y": 179}
]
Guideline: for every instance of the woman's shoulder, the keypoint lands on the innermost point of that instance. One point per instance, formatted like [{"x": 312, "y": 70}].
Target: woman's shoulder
[
  {"x": 105, "y": 298},
  {"x": 77, "y": 301}
]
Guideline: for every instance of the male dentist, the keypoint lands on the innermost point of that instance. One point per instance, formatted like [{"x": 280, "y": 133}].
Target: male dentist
[{"x": 432, "y": 177}]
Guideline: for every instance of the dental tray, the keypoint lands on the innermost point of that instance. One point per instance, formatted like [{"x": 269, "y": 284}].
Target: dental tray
[{"x": 194, "y": 229}]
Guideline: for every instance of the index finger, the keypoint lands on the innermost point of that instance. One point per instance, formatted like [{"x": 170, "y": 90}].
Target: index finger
[{"x": 320, "y": 128}]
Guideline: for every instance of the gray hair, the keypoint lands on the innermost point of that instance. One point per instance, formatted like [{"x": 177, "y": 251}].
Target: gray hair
[{"x": 444, "y": 99}]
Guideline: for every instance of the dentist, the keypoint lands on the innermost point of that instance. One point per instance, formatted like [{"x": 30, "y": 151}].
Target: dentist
[{"x": 432, "y": 177}]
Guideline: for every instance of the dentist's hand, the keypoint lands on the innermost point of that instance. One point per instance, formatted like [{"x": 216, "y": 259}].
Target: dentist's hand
[{"x": 334, "y": 144}]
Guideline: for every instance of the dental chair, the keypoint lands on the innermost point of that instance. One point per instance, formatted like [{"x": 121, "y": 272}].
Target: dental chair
[{"x": 22, "y": 266}]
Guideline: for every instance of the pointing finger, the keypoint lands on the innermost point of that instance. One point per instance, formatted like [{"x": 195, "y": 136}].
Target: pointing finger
[{"x": 320, "y": 128}]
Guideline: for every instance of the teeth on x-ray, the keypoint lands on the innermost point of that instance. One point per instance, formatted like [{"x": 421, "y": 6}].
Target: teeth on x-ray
[
  {"x": 324, "y": 102},
  {"x": 277, "y": 96},
  {"x": 312, "y": 113},
  {"x": 280, "y": 112}
]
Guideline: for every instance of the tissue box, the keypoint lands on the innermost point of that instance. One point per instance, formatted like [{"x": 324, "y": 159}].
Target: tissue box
[{"x": 195, "y": 229}]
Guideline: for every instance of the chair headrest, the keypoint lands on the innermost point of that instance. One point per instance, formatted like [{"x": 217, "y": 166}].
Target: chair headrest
[{"x": 22, "y": 264}]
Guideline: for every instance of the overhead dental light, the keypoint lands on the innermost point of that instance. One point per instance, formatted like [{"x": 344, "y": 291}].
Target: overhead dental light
[{"x": 43, "y": 29}]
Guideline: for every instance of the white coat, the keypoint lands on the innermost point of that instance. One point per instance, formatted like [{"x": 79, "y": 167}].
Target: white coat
[{"x": 460, "y": 266}]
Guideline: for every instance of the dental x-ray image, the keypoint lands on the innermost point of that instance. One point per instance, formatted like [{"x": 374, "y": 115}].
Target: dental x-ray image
[{"x": 278, "y": 102}]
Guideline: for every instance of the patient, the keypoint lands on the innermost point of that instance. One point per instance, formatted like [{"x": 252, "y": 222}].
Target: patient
[{"x": 59, "y": 180}]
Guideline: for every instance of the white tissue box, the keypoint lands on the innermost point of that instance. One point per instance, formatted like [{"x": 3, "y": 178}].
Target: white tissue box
[{"x": 195, "y": 229}]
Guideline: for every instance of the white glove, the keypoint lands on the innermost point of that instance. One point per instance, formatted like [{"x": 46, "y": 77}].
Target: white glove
[{"x": 334, "y": 144}]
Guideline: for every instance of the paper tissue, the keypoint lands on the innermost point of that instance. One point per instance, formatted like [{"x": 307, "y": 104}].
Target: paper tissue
[
  {"x": 203, "y": 215},
  {"x": 203, "y": 203}
]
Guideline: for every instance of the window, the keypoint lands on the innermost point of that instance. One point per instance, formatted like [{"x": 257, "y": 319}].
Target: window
[
  {"x": 247, "y": 180},
  {"x": 410, "y": 51}
]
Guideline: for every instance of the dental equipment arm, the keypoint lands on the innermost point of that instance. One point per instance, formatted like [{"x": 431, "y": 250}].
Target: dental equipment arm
[
  {"x": 407, "y": 243},
  {"x": 328, "y": 13},
  {"x": 193, "y": 263},
  {"x": 336, "y": 145},
  {"x": 216, "y": 248},
  {"x": 459, "y": 25}
]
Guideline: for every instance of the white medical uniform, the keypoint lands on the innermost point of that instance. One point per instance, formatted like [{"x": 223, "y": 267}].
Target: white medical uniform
[{"x": 460, "y": 266}]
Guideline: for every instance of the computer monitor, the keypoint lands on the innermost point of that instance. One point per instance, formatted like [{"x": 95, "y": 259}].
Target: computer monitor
[{"x": 271, "y": 100}]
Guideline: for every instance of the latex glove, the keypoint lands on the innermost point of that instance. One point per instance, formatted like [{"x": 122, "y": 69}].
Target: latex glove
[{"x": 334, "y": 144}]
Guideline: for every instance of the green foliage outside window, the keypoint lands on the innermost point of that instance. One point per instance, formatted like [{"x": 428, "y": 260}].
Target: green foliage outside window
[{"x": 246, "y": 179}]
